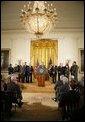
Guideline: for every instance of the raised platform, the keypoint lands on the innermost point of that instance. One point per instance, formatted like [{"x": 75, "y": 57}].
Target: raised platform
[{"x": 34, "y": 88}]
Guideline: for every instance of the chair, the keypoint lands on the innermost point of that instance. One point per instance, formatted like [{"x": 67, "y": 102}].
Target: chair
[
  {"x": 6, "y": 105},
  {"x": 69, "y": 102},
  {"x": 7, "y": 99},
  {"x": 14, "y": 99}
]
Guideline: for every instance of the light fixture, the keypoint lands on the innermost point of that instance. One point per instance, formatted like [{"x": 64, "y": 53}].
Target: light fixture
[{"x": 39, "y": 17}]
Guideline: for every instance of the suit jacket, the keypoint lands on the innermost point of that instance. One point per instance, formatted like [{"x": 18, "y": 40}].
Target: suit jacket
[
  {"x": 41, "y": 69},
  {"x": 13, "y": 87},
  {"x": 27, "y": 71}
]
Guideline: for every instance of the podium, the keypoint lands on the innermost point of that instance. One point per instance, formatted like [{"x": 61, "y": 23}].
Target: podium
[
  {"x": 41, "y": 75},
  {"x": 41, "y": 80}
]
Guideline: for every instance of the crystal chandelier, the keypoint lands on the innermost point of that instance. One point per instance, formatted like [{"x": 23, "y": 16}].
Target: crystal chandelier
[{"x": 38, "y": 18}]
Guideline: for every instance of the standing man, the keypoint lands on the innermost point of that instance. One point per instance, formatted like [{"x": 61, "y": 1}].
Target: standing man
[
  {"x": 10, "y": 69},
  {"x": 42, "y": 69},
  {"x": 74, "y": 71},
  {"x": 60, "y": 70},
  {"x": 19, "y": 68},
  {"x": 15, "y": 69},
  {"x": 27, "y": 72},
  {"x": 53, "y": 72},
  {"x": 23, "y": 72},
  {"x": 66, "y": 70},
  {"x": 41, "y": 72},
  {"x": 31, "y": 72}
]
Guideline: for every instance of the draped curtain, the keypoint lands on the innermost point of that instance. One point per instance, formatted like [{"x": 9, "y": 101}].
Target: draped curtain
[{"x": 44, "y": 50}]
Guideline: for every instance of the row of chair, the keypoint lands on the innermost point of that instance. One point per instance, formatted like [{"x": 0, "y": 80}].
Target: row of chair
[
  {"x": 69, "y": 103},
  {"x": 8, "y": 99}
]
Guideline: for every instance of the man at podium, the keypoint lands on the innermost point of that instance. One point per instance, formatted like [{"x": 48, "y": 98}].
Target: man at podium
[{"x": 41, "y": 73}]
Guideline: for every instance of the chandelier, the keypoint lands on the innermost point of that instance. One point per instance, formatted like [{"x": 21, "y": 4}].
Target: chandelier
[{"x": 38, "y": 18}]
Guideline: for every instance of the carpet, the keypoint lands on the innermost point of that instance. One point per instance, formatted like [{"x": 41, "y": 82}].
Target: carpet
[
  {"x": 38, "y": 104},
  {"x": 34, "y": 88},
  {"x": 37, "y": 107}
]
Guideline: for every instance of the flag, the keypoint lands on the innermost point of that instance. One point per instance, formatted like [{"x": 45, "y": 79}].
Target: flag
[
  {"x": 37, "y": 63},
  {"x": 35, "y": 69},
  {"x": 50, "y": 62}
]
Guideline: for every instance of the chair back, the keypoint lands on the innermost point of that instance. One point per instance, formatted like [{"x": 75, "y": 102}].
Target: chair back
[{"x": 69, "y": 102}]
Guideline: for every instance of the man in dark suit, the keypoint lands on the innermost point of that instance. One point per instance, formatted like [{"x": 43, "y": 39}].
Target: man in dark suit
[
  {"x": 41, "y": 74},
  {"x": 53, "y": 72},
  {"x": 66, "y": 70},
  {"x": 31, "y": 72},
  {"x": 15, "y": 68},
  {"x": 41, "y": 69},
  {"x": 23, "y": 72},
  {"x": 10, "y": 69},
  {"x": 60, "y": 70},
  {"x": 14, "y": 87},
  {"x": 19, "y": 69},
  {"x": 74, "y": 71},
  {"x": 27, "y": 72}
]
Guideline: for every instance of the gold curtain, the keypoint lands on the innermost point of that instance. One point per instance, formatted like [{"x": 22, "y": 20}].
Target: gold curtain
[{"x": 42, "y": 50}]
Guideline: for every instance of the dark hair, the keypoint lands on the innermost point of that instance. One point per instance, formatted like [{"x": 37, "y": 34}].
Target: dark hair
[{"x": 74, "y": 62}]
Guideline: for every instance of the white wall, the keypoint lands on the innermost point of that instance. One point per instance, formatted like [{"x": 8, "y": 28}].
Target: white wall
[{"x": 19, "y": 43}]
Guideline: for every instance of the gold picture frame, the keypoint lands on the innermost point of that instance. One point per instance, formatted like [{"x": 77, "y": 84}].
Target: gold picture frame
[
  {"x": 81, "y": 60},
  {"x": 5, "y": 59}
]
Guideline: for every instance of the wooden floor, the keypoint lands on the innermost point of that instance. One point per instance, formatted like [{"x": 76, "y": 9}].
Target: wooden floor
[{"x": 34, "y": 88}]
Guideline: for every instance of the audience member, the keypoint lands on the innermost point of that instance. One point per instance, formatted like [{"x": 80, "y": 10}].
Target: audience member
[
  {"x": 73, "y": 83},
  {"x": 56, "y": 87},
  {"x": 81, "y": 89},
  {"x": 61, "y": 87},
  {"x": 81, "y": 82},
  {"x": 14, "y": 87}
]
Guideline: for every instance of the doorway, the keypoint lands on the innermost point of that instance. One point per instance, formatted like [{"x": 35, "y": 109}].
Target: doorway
[{"x": 44, "y": 50}]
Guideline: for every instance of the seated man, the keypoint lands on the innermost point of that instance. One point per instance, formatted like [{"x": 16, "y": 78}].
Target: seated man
[
  {"x": 57, "y": 85},
  {"x": 81, "y": 82},
  {"x": 73, "y": 83},
  {"x": 81, "y": 86},
  {"x": 14, "y": 87},
  {"x": 61, "y": 87}
]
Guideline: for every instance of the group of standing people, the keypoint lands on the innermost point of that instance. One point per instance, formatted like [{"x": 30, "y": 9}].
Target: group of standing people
[
  {"x": 63, "y": 70},
  {"x": 24, "y": 72}
]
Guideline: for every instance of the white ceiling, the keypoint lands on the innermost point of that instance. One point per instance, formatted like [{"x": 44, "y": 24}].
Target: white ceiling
[{"x": 70, "y": 14}]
